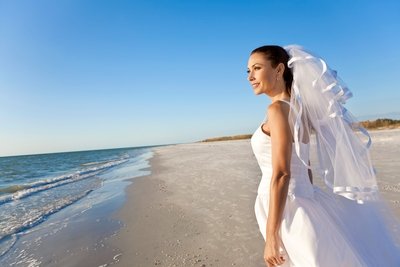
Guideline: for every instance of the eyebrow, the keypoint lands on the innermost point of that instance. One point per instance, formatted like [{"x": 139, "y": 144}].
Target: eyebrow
[{"x": 255, "y": 64}]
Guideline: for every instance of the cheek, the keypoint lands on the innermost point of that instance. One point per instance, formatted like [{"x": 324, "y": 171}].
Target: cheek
[
  {"x": 271, "y": 80},
  {"x": 267, "y": 79}
]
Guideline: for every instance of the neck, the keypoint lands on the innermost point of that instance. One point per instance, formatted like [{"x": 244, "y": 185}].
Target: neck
[{"x": 281, "y": 96}]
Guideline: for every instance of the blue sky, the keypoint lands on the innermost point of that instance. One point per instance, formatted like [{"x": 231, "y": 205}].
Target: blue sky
[{"x": 81, "y": 75}]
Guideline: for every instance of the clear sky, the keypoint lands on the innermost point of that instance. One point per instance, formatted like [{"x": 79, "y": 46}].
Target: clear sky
[{"x": 81, "y": 75}]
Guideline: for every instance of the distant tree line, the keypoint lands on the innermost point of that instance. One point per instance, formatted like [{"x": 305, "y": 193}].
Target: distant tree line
[
  {"x": 381, "y": 123},
  {"x": 370, "y": 125},
  {"x": 224, "y": 138}
]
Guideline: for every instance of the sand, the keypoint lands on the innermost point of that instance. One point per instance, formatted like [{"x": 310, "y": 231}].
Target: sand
[
  {"x": 195, "y": 209},
  {"x": 197, "y": 206}
]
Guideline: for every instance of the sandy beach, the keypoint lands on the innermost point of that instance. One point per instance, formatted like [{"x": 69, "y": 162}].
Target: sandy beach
[{"x": 196, "y": 207}]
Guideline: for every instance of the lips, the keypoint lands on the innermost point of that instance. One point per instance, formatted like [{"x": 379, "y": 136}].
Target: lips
[{"x": 255, "y": 85}]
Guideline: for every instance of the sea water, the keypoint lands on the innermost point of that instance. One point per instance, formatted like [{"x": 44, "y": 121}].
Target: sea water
[{"x": 37, "y": 188}]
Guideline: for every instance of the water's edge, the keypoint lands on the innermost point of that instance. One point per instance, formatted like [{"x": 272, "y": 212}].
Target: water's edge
[{"x": 76, "y": 232}]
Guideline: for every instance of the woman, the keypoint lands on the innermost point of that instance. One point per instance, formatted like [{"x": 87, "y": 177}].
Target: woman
[{"x": 302, "y": 225}]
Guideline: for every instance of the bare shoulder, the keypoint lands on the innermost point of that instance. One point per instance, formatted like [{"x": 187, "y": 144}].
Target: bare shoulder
[{"x": 278, "y": 111}]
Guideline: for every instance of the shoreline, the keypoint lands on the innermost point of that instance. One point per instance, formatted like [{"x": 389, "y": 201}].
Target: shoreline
[
  {"x": 75, "y": 234},
  {"x": 188, "y": 205}
]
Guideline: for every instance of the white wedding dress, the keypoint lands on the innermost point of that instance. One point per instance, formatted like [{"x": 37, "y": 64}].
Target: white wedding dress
[{"x": 319, "y": 228}]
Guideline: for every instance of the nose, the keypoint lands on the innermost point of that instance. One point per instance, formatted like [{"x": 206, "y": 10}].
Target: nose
[{"x": 250, "y": 76}]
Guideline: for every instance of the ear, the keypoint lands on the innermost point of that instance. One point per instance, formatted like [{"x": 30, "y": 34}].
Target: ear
[{"x": 280, "y": 69}]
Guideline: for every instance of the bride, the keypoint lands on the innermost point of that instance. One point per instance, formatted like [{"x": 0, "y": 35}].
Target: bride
[{"x": 302, "y": 225}]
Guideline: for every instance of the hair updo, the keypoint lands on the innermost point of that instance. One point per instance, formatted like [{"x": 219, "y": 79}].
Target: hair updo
[{"x": 277, "y": 54}]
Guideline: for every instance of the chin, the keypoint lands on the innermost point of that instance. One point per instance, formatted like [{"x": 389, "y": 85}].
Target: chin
[{"x": 257, "y": 92}]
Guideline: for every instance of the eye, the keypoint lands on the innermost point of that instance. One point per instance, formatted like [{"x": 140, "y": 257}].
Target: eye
[
  {"x": 247, "y": 71},
  {"x": 257, "y": 68}
]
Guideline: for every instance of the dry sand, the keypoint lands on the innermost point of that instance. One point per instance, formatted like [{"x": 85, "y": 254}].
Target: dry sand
[
  {"x": 197, "y": 206},
  {"x": 195, "y": 209}
]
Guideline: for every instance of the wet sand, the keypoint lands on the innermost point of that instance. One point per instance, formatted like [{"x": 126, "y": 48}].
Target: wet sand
[{"x": 197, "y": 206}]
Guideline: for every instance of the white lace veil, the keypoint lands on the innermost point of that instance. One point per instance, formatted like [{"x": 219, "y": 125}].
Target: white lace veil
[{"x": 317, "y": 99}]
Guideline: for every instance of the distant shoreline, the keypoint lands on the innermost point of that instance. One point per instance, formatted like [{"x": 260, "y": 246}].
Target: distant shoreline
[
  {"x": 381, "y": 124},
  {"x": 371, "y": 125},
  {"x": 225, "y": 138}
]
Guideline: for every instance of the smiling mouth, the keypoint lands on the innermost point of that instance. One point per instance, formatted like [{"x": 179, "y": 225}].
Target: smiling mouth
[{"x": 255, "y": 85}]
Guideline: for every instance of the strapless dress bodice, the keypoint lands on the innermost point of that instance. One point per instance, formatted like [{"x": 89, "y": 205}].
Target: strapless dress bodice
[{"x": 299, "y": 180}]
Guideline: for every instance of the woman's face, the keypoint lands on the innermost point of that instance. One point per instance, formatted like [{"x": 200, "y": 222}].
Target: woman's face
[{"x": 261, "y": 75}]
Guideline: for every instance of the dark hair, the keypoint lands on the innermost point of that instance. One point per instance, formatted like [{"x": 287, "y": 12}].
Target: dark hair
[{"x": 277, "y": 54}]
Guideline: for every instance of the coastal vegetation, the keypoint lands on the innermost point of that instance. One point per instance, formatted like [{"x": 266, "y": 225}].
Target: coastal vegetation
[
  {"x": 378, "y": 124},
  {"x": 381, "y": 124},
  {"x": 225, "y": 138}
]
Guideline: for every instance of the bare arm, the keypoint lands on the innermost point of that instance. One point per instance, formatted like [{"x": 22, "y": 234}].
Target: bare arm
[{"x": 281, "y": 145}]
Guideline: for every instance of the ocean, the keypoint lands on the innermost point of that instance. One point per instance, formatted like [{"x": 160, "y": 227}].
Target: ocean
[{"x": 36, "y": 189}]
